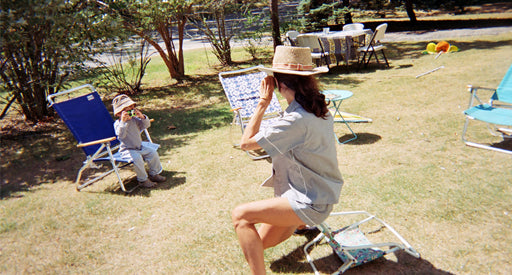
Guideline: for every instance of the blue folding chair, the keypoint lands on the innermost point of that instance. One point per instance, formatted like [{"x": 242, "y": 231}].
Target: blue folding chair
[
  {"x": 242, "y": 88},
  {"x": 89, "y": 121},
  {"x": 497, "y": 113}
]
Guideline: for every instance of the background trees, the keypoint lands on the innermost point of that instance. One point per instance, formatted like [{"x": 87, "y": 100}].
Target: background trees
[
  {"x": 42, "y": 43},
  {"x": 320, "y": 13}
]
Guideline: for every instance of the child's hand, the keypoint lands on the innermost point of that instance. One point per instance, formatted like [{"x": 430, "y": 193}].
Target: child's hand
[
  {"x": 125, "y": 116},
  {"x": 139, "y": 114}
]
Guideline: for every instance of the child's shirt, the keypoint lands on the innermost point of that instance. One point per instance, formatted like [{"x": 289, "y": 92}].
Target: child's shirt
[{"x": 128, "y": 132}]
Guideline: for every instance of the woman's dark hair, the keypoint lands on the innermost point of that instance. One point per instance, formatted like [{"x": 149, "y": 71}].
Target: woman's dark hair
[{"x": 307, "y": 92}]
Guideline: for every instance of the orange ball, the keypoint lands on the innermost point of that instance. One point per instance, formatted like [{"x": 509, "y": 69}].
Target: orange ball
[{"x": 442, "y": 46}]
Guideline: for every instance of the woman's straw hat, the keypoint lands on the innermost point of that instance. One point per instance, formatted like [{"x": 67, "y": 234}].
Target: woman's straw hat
[
  {"x": 293, "y": 60},
  {"x": 120, "y": 102}
]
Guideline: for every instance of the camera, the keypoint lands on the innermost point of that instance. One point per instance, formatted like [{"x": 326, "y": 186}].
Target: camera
[{"x": 132, "y": 113}]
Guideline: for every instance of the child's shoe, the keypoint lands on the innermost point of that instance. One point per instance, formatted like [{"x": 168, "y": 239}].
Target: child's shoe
[
  {"x": 157, "y": 178},
  {"x": 147, "y": 183}
]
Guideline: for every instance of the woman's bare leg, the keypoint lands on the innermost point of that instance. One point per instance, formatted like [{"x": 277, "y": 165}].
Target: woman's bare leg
[{"x": 278, "y": 223}]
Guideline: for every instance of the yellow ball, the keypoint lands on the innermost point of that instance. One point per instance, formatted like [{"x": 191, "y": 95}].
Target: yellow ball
[
  {"x": 453, "y": 48},
  {"x": 431, "y": 47}
]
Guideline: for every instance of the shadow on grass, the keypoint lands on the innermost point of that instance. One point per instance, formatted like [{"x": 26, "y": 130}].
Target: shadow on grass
[
  {"x": 362, "y": 138},
  {"x": 506, "y": 144},
  {"x": 174, "y": 179},
  {"x": 49, "y": 155},
  {"x": 295, "y": 262},
  {"x": 35, "y": 154}
]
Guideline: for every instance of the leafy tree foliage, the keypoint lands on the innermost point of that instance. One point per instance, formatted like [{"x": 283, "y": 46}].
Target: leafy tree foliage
[
  {"x": 42, "y": 44},
  {"x": 319, "y": 13}
]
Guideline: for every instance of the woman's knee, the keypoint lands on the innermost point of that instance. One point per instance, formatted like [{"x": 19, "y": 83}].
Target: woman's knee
[{"x": 238, "y": 215}]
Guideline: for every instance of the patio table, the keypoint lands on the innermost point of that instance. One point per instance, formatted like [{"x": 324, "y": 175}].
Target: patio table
[{"x": 341, "y": 45}]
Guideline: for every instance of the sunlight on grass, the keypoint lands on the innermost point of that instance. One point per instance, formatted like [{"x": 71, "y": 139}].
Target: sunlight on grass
[{"x": 409, "y": 166}]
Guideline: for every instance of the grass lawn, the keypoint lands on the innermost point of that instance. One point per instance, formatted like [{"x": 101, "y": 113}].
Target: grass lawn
[{"x": 453, "y": 203}]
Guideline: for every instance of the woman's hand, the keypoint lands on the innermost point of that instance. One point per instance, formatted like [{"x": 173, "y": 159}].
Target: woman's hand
[{"x": 267, "y": 89}]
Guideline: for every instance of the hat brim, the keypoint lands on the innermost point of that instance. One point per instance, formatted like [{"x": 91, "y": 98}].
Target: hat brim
[{"x": 317, "y": 70}]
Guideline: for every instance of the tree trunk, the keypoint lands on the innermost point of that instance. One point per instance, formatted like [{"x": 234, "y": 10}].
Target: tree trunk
[
  {"x": 169, "y": 58},
  {"x": 410, "y": 10},
  {"x": 274, "y": 15},
  {"x": 347, "y": 16}
]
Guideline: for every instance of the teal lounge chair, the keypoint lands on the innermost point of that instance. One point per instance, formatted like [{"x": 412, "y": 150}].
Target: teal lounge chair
[{"x": 497, "y": 113}]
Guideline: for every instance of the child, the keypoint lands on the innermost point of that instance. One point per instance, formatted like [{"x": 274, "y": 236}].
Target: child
[{"x": 128, "y": 127}]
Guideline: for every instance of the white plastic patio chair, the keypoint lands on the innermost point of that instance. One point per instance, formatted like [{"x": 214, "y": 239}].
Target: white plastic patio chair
[{"x": 373, "y": 47}]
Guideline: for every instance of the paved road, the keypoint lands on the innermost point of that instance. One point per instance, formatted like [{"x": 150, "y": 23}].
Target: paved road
[{"x": 402, "y": 36}]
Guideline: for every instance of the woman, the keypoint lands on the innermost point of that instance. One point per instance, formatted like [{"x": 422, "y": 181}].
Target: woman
[{"x": 305, "y": 177}]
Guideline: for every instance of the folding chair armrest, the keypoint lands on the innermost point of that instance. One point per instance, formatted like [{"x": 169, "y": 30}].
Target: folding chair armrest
[
  {"x": 235, "y": 110},
  {"x": 99, "y": 141},
  {"x": 473, "y": 91},
  {"x": 474, "y": 88}
]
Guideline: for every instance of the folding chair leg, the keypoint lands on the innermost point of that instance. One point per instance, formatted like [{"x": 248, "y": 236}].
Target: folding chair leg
[
  {"x": 376, "y": 58},
  {"x": 115, "y": 168},
  {"x": 308, "y": 257},
  {"x": 362, "y": 61},
  {"x": 353, "y": 134},
  {"x": 479, "y": 145},
  {"x": 385, "y": 59}
]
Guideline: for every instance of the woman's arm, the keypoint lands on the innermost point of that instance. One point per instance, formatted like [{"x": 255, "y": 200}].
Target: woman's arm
[{"x": 253, "y": 127}]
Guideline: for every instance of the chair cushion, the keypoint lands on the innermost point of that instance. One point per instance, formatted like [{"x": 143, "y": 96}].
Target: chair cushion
[{"x": 353, "y": 237}]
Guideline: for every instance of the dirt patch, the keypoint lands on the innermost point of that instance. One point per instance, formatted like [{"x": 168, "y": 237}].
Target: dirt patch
[{"x": 33, "y": 154}]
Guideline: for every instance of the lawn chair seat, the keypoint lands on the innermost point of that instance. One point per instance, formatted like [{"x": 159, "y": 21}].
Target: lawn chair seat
[
  {"x": 353, "y": 246},
  {"x": 497, "y": 113},
  {"x": 242, "y": 88},
  {"x": 89, "y": 121}
]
